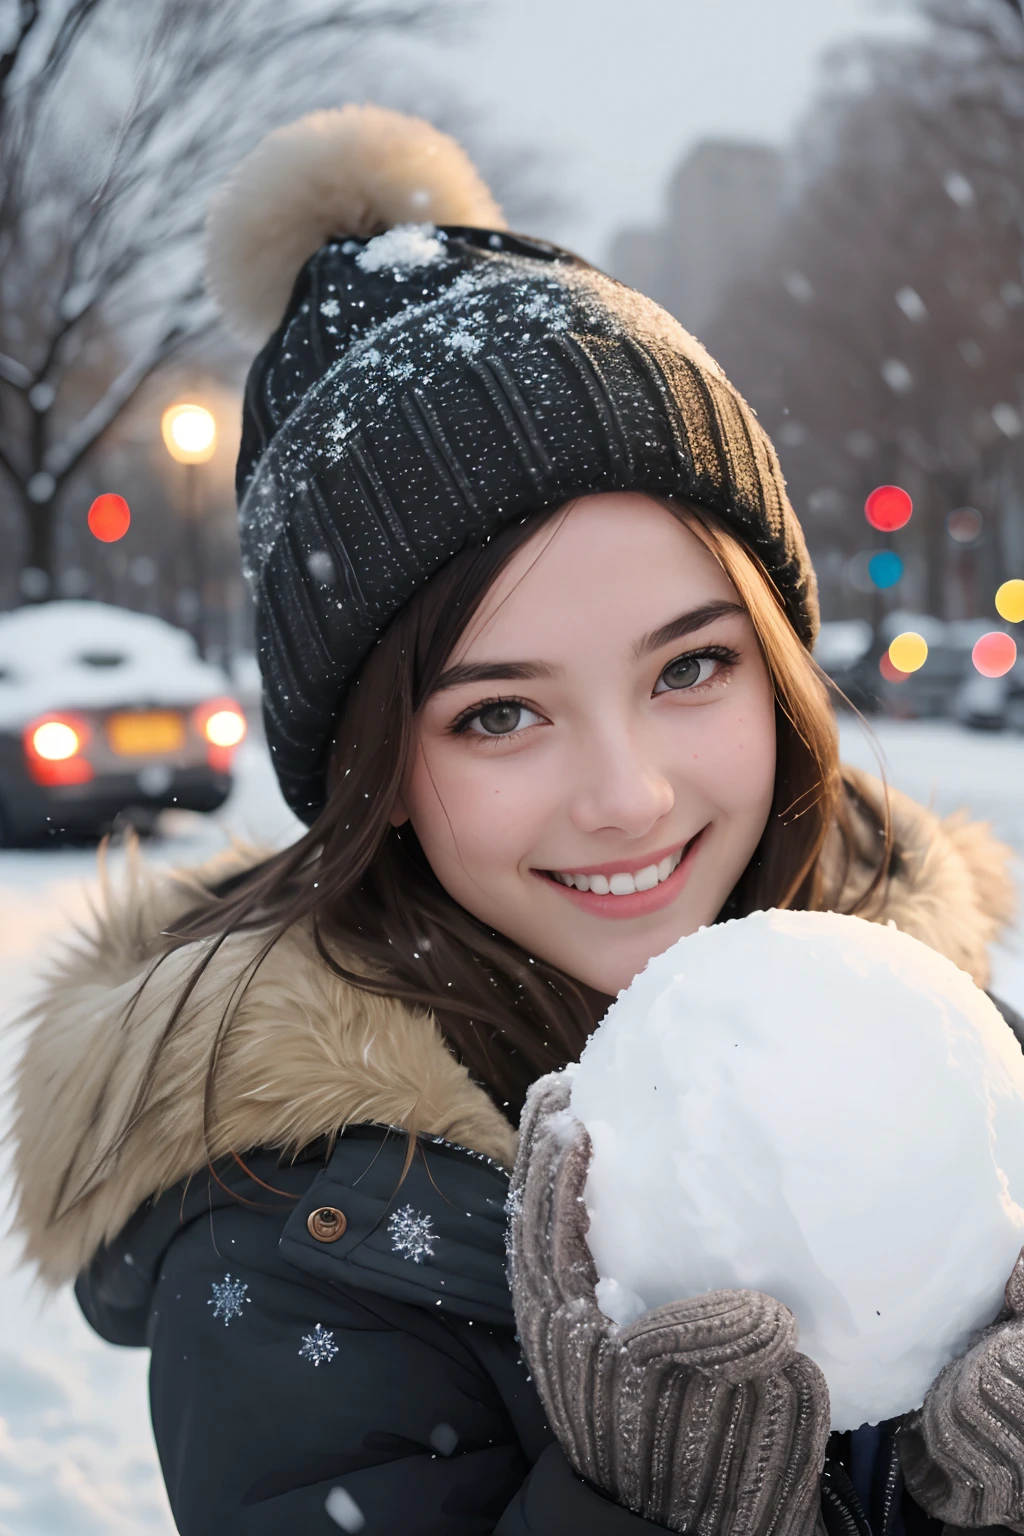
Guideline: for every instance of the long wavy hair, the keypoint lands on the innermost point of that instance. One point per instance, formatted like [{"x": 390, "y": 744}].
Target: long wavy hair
[{"x": 380, "y": 918}]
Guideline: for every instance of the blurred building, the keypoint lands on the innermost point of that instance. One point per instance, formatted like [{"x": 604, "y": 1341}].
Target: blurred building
[{"x": 723, "y": 208}]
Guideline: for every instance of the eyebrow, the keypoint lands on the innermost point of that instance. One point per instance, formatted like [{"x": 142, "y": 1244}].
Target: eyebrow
[
  {"x": 686, "y": 624},
  {"x": 524, "y": 671}
]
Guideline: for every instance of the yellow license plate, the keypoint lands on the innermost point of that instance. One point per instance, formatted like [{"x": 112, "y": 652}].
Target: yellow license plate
[{"x": 138, "y": 735}]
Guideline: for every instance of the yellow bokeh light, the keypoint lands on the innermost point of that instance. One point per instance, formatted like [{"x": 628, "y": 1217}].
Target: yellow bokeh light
[
  {"x": 1010, "y": 601},
  {"x": 189, "y": 433},
  {"x": 909, "y": 651}
]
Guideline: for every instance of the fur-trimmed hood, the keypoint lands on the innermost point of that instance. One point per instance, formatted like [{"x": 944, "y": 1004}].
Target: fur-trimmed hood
[{"x": 305, "y": 1053}]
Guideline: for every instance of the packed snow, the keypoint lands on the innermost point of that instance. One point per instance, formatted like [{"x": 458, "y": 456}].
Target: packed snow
[
  {"x": 824, "y": 1109},
  {"x": 404, "y": 246},
  {"x": 87, "y": 655},
  {"x": 76, "y": 1451}
]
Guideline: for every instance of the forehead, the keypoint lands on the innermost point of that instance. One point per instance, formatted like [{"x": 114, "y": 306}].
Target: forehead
[{"x": 608, "y": 566}]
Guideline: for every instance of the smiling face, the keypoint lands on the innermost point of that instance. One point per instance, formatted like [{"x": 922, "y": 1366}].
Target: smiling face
[{"x": 597, "y": 764}]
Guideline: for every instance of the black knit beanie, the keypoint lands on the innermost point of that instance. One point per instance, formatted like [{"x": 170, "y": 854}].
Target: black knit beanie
[{"x": 433, "y": 379}]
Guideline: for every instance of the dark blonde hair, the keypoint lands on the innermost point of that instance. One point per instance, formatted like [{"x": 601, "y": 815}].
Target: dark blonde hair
[{"x": 381, "y": 919}]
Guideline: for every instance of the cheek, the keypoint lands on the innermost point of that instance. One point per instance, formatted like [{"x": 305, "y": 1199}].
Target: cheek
[
  {"x": 472, "y": 814},
  {"x": 734, "y": 763}
]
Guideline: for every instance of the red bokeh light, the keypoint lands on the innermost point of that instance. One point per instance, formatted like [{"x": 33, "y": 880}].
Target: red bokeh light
[
  {"x": 109, "y": 518},
  {"x": 994, "y": 654},
  {"x": 888, "y": 508},
  {"x": 889, "y": 672}
]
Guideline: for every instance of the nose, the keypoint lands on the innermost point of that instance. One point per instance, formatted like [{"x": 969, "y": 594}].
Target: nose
[{"x": 619, "y": 788}]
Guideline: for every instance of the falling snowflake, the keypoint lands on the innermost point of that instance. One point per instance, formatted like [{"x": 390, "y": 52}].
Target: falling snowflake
[
  {"x": 228, "y": 1296},
  {"x": 330, "y": 308},
  {"x": 319, "y": 1346},
  {"x": 412, "y": 1235}
]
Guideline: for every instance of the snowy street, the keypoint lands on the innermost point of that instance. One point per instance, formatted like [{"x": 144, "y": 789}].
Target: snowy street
[{"x": 76, "y": 1454}]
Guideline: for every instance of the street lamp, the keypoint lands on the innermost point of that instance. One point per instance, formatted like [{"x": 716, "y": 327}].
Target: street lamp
[
  {"x": 190, "y": 437},
  {"x": 190, "y": 433}
]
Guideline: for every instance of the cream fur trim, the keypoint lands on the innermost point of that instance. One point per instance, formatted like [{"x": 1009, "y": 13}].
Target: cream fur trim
[
  {"x": 348, "y": 171},
  {"x": 951, "y": 886},
  {"x": 306, "y": 1054}
]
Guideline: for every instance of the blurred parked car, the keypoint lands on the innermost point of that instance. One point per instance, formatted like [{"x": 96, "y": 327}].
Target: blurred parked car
[
  {"x": 992, "y": 703},
  {"x": 844, "y": 650},
  {"x": 851, "y": 654},
  {"x": 105, "y": 712},
  {"x": 932, "y": 691}
]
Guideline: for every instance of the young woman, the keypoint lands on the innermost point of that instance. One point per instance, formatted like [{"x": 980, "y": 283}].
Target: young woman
[{"x": 534, "y": 619}]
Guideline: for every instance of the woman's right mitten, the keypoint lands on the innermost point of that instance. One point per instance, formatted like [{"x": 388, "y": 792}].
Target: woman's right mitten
[{"x": 701, "y": 1415}]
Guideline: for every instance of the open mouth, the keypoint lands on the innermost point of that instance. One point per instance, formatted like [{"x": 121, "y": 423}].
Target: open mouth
[
  {"x": 624, "y": 882},
  {"x": 615, "y": 891}
]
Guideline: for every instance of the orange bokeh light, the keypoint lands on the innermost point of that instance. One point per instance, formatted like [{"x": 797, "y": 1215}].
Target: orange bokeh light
[
  {"x": 109, "y": 518},
  {"x": 889, "y": 672}
]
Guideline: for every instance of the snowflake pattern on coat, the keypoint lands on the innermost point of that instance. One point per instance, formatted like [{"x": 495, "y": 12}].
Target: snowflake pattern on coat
[
  {"x": 318, "y": 1347},
  {"x": 228, "y": 1298},
  {"x": 411, "y": 1234}
]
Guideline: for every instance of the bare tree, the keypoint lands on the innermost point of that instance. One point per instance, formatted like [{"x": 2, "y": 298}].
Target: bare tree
[
  {"x": 115, "y": 119},
  {"x": 883, "y": 343}
]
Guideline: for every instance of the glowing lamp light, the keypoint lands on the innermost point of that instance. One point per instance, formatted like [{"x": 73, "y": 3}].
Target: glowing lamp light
[
  {"x": 225, "y": 728},
  {"x": 109, "y": 518},
  {"x": 1010, "y": 601},
  {"x": 888, "y": 508},
  {"x": 885, "y": 568},
  {"x": 189, "y": 433},
  {"x": 995, "y": 653},
  {"x": 889, "y": 672},
  {"x": 909, "y": 651},
  {"x": 55, "y": 740}
]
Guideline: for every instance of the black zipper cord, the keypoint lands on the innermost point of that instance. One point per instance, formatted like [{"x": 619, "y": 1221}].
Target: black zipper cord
[
  {"x": 841, "y": 1509},
  {"x": 893, "y": 1488}
]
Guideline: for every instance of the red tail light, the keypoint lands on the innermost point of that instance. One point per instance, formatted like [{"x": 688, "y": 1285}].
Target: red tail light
[
  {"x": 53, "y": 749},
  {"x": 222, "y": 725}
]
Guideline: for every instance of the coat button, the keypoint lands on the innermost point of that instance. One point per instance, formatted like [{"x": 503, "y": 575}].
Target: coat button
[{"x": 326, "y": 1223}]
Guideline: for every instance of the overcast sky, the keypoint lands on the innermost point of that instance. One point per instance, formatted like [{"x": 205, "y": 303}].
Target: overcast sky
[{"x": 615, "y": 91}]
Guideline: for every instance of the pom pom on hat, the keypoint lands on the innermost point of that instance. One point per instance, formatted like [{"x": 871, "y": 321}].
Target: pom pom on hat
[{"x": 349, "y": 171}]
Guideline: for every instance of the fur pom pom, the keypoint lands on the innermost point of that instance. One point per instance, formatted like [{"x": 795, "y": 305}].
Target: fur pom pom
[{"x": 341, "y": 172}]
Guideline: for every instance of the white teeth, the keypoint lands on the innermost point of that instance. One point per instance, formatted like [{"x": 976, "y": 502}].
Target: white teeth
[{"x": 623, "y": 883}]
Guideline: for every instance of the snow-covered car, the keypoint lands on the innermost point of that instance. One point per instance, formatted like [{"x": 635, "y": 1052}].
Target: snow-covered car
[
  {"x": 992, "y": 703},
  {"x": 102, "y": 712}
]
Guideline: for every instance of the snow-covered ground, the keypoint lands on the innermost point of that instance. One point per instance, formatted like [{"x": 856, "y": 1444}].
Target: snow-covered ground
[{"x": 76, "y": 1454}]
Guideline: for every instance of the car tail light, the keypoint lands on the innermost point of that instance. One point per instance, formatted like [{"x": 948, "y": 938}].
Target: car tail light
[
  {"x": 222, "y": 725},
  {"x": 53, "y": 750}
]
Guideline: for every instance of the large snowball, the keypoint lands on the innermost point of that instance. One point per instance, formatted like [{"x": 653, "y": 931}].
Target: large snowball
[{"x": 821, "y": 1108}]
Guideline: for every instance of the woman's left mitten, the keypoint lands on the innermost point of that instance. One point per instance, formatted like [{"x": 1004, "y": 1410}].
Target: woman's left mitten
[{"x": 963, "y": 1451}]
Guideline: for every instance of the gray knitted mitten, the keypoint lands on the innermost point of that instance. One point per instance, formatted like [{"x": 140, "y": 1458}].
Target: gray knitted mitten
[
  {"x": 963, "y": 1451},
  {"x": 701, "y": 1415}
]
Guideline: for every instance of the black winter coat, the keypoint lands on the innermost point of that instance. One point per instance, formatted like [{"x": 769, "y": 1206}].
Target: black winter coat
[
  {"x": 362, "y": 1363},
  {"x": 296, "y": 1352}
]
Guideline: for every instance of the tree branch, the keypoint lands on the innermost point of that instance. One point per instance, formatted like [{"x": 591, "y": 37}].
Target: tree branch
[
  {"x": 15, "y": 373},
  {"x": 7, "y": 464},
  {"x": 27, "y": 18},
  {"x": 64, "y": 457}
]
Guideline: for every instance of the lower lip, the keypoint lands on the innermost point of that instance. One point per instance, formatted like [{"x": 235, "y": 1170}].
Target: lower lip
[{"x": 641, "y": 903}]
